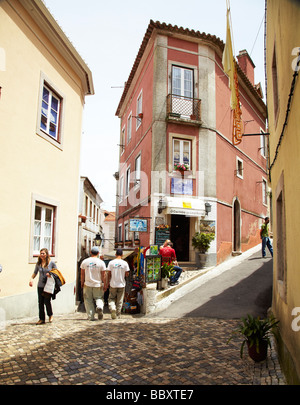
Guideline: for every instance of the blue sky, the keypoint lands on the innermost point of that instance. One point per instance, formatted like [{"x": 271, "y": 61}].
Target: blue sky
[{"x": 108, "y": 34}]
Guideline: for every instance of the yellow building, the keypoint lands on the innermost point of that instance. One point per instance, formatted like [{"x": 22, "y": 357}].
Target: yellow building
[
  {"x": 43, "y": 83},
  {"x": 283, "y": 100}
]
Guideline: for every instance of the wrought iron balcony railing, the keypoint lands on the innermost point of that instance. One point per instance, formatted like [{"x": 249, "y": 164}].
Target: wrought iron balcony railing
[{"x": 183, "y": 107}]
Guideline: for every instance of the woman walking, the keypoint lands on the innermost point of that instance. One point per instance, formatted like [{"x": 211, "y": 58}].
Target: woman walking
[{"x": 43, "y": 266}]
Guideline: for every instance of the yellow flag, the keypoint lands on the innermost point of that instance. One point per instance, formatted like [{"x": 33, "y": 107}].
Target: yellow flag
[{"x": 228, "y": 63}]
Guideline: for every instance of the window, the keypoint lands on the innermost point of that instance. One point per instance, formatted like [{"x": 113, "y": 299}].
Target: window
[
  {"x": 127, "y": 185},
  {"x": 121, "y": 189},
  {"x": 138, "y": 170},
  {"x": 182, "y": 152},
  {"x": 50, "y": 113},
  {"x": 275, "y": 83},
  {"x": 129, "y": 128},
  {"x": 126, "y": 231},
  {"x": 43, "y": 228},
  {"x": 263, "y": 144},
  {"x": 264, "y": 192},
  {"x": 86, "y": 206},
  {"x": 280, "y": 265},
  {"x": 122, "y": 146},
  {"x": 239, "y": 168},
  {"x": 182, "y": 91},
  {"x": 120, "y": 236},
  {"x": 139, "y": 109},
  {"x": 182, "y": 82}
]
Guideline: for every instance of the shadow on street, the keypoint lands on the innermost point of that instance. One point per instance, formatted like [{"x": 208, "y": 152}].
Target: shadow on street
[{"x": 251, "y": 295}]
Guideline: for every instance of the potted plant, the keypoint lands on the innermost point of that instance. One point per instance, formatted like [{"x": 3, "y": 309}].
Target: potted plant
[
  {"x": 166, "y": 273},
  {"x": 181, "y": 167},
  {"x": 201, "y": 242},
  {"x": 256, "y": 333}
]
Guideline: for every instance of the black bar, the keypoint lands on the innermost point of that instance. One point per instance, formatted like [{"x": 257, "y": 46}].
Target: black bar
[{"x": 261, "y": 133}]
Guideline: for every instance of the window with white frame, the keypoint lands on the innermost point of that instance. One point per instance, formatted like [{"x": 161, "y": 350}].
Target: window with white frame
[
  {"x": 182, "y": 152},
  {"x": 122, "y": 145},
  {"x": 120, "y": 236},
  {"x": 139, "y": 109},
  {"x": 127, "y": 184},
  {"x": 182, "y": 81},
  {"x": 264, "y": 192},
  {"x": 43, "y": 228},
  {"x": 137, "y": 168},
  {"x": 121, "y": 188},
  {"x": 263, "y": 143},
  {"x": 182, "y": 91},
  {"x": 129, "y": 128},
  {"x": 50, "y": 112},
  {"x": 126, "y": 231}
]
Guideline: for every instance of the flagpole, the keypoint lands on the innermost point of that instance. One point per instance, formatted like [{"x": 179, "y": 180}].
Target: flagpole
[{"x": 231, "y": 30}]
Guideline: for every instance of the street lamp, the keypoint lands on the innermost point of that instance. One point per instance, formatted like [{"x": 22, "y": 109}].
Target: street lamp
[
  {"x": 98, "y": 240},
  {"x": 207, "y": 208}
]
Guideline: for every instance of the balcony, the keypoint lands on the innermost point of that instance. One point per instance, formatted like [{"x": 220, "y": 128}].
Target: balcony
[{"x": 184, "y": 110}]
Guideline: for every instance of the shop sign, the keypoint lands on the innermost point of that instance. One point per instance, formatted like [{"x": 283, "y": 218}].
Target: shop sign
[
  {"x": 187, "y": 212},
  {"x": 137, "y": 225}
]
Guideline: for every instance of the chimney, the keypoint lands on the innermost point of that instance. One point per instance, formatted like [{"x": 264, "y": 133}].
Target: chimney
[{"x": 246, "y": 64}]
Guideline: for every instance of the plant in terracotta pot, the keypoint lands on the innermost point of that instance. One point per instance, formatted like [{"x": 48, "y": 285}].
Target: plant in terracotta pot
[
  {"x": 201, "y": 242},
  {"x": 256, "y": 333}
]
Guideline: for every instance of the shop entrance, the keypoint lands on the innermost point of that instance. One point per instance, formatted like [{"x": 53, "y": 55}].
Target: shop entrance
[{"x": 180, "y": 236}]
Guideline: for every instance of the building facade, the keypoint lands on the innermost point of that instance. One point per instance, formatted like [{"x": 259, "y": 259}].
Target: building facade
[
  {"x": 43, "y": 84},
  {"x": 90, "y": 218},
  {"x": 108, "y": 231},
  {"x": 175, "y": 110},
  {"x": 283, "y": 100}
]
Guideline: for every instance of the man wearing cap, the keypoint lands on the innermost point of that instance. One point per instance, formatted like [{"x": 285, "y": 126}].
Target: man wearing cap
[
  {"x": 117, "y": 270},
  {"x": 93, "y": 282}
]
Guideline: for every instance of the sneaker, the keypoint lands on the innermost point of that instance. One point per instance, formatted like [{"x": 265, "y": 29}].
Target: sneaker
[
  {"x": 100, "y": 313},
  {"x": 113, "y": 315}
]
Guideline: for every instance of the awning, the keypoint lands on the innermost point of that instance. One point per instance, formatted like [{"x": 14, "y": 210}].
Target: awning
[
  {"x": 190, "y": 207},
  {"x": 112, "y": 255}
]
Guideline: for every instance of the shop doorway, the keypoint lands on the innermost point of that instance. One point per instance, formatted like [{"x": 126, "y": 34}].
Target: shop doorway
[{"x": 180, "y": 236}]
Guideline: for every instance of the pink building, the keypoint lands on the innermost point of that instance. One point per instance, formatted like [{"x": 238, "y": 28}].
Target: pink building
[{"x": 175, "y": 109}]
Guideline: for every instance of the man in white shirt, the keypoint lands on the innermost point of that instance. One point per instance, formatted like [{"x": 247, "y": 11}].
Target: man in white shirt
[
  {"x": 118, "y": 269},
  {"x": 93, "y": 282}
]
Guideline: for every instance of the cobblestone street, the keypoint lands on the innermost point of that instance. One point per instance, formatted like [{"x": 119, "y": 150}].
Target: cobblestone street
[{"x": 133, "y": 350}]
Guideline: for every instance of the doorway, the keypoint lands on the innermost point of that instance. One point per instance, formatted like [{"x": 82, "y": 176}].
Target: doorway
[
  {"x": 180, "y": 236},
  {"x": 236, "y": 226}
]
